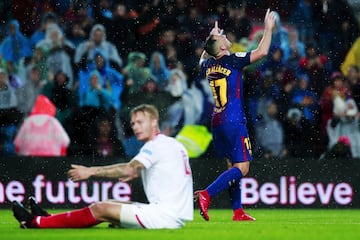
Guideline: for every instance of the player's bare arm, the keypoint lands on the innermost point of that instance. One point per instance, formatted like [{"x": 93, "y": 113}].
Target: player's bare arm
[
  {"x": 203, "y": 57},
  {"x": 121, "y": 171},
  {"x": 264, "y": 45}
]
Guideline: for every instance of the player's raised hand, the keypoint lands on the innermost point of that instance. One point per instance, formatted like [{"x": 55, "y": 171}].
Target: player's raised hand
[
  {"x": 216, "y": 30},
  {"x": 269, "y": 19}
]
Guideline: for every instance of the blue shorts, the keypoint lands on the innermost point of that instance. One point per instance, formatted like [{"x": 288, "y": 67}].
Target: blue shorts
[{"x": 232, "y": 141}]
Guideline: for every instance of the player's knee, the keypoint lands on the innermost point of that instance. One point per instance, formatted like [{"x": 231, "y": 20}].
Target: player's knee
[
  {"x": 98, "y": 209},
  {"x": 244, "y": 171},
  {"x": 244, "y": 168}
]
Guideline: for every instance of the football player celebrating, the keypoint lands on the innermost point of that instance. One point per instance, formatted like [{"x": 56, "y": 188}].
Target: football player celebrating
[{"x": 224, "y": 73}]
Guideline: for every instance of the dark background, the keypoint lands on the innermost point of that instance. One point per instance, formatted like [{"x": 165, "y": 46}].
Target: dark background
[{"x": 205, "y": 170}]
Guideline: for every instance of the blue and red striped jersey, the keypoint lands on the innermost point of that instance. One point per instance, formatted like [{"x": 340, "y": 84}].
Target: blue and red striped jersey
[{"x": 226, "y": 83}]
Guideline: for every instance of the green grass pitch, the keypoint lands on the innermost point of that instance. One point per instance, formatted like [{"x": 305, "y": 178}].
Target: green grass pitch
[{"x": 289, "y": 224}]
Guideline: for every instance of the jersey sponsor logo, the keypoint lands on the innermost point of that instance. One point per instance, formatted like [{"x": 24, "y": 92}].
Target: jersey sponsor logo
[
  {"x": 147, "y": 151},
  {"x": 240, "y": 54}
]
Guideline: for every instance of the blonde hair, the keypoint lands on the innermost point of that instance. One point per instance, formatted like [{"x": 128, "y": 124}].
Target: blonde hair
[{"x": 151, "y": 109}]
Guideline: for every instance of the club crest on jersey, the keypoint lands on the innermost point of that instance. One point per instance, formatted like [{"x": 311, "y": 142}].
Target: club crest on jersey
[{"x": 240, "y": 54}]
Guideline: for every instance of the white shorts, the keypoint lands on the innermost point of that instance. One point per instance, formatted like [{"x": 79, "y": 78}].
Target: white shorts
[{"x": 149, "y": 216}]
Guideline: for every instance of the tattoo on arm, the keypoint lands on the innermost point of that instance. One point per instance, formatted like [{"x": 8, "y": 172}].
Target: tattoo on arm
[
  {"x": 111, "y": 171},
  {"x": 129, "y": 170}
]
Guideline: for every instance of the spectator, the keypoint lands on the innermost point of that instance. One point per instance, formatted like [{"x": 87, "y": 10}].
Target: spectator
[
  {"x": 96, "y": 95},
  {"x": 270, "y": 134},
  {"x": 95, "y": 102},
  {"x": 237, "y": 18},
  {"x": 81, "y": 12},
  {"x": 85, "y": 53},
  {"x": 41, "y": 134},
  {"x": 10, "y": 116},
  {"x": 76, "y": 34},
  {"x": 181, "y": 9},
  {"x": 60, "y": 52},
  {"x": 208, "y": 102},
  {"x": 284, "y": 101},
  {"x": 103, "y": 9},
  {"x": 111, "y": 79},
  {"x": 32, "y": 88},
  {"x": 39, "y": 34},
  {"x": 296, "y": 135},
  {"x": 340, "y": 150},
  {"x": 271, "y": 72},
  {"x": 16, "y": 74},
  {"x": 295, "y": 51},
  {"x": 15, "y": 47},
  {"x": 159, "y": 69},
  {"x": 136, "y": 72},
  {"x": 7, "y": 135},
  {"x": 353, "y": 82},
  {"x": 187, "y": 109},
  {"x": 346, "y": 34},
  {"x": 337, "y": 89},
  {"x": 352, "y": 57},
  {"x": 9, "y": 101},
  {"x": 274, "y": 64},
  {"x": 106, "y": 141},
  {"x": 169, "y": 17},
  {"x": 333, "y": 20},
  {"x": 63, "y": 98},
  {"x": 169, "y": 47},
  {"x": 148, "y": 25},
  {"x": 39, "y": 60},
  {"x": 315, "y": 65},
  {"x": 345, "y": 123},
  {"x": 5, "y": 17},
  {"x": 191, "y": 64},
  {"x": 301, "y": 17},
  {"x": 184, "y": 44},
  {"x": 193, "y": 23},
  {"x": 120, "y": 27},
  {"x": 280, "y": 36},
  {"x": 306, "y": 100},
  {"x": 325, "y": 21}
]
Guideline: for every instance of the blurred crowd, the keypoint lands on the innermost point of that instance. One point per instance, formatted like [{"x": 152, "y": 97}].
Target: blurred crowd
[{"x": 71, "y": 70}]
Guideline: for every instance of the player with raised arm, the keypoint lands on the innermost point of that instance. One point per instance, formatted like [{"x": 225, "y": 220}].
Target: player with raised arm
[
  {"x": 224, "y": 73},
  {"x": 163, "y": 165}
]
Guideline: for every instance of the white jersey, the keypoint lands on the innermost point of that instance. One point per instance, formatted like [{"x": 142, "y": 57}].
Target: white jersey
[{"x": 167, "y": 178}]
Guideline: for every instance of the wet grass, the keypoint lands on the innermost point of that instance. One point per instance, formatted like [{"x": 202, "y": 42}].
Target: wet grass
[{"x": 271, "y": 224}]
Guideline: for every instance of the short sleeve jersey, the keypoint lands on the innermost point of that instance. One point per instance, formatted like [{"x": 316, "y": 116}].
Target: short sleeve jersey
[
  {"x": 226, "y": 83},
  {"x": 167, "y": 178}
]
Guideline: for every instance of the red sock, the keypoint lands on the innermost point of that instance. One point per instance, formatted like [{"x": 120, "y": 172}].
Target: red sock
[
  {"x": 74, "y": 219},
  {"x": 238, "y": 212}
]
